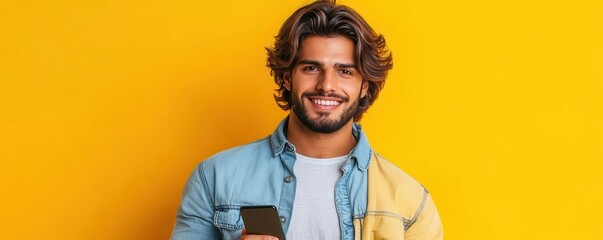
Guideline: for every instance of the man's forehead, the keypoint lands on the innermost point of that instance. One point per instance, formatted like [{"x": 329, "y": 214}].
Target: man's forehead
[{"x": 327, "y": 50}]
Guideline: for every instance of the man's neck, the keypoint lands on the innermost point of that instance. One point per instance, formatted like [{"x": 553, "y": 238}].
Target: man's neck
[{"x": 319, "y": 145}]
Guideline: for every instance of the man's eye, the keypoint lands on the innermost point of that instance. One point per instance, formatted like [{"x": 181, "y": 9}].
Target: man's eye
[
  {"x": 310, "y": 68},
  {"x": 346, "y": 72}
]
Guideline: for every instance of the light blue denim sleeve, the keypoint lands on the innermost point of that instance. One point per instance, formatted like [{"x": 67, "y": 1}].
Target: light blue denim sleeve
[{"x": 195, "y": 215}]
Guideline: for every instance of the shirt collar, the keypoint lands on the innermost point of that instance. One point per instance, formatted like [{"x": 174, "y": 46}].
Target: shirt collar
[{"x": 362, "y": 152}]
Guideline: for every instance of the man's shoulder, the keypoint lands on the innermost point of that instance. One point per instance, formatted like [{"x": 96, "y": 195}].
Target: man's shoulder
[
  {"x": 388, "y": 176},
  {"x": 395, "y": 191},
  {"x": 394, "y": 174},
  {"x": 234, "y": 155}
]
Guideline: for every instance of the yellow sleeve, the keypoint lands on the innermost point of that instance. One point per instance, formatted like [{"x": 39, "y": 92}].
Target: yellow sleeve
[{"x": 427, "y": 225}]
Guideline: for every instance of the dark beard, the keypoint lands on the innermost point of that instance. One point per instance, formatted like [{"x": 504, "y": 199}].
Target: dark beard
[{"x": 322, "y": 124}]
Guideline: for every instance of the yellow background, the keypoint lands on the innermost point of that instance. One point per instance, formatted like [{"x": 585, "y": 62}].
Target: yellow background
[{"x": 107, "y": 106}]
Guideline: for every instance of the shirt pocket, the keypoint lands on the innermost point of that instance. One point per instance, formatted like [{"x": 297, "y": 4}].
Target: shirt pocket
[{"x": 229, "y": 222}]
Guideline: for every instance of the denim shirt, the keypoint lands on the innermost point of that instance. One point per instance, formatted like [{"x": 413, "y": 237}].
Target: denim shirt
[{"x": 261, "y": 173}]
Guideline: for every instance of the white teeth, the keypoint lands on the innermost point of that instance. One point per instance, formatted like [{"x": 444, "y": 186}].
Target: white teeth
[{"x": 325, "y": 102}]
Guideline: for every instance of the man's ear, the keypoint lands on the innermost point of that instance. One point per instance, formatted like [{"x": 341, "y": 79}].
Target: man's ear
[
  {"x": 287, "y": 81},
  {"x": 364, "y": 88}
]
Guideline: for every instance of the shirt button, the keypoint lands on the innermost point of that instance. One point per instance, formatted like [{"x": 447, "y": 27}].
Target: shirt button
[
  {"x": 288, "y": 179},
  {"x": 283, "y": 219}
]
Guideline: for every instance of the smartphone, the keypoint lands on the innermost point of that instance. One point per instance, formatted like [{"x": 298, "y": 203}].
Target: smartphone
[{"x": 262, "y": 220}]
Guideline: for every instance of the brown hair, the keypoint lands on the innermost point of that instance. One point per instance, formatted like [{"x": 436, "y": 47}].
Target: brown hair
[{"x": 326, "y": 18}]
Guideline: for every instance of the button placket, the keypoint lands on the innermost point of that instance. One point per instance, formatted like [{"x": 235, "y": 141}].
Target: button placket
[{"x": 288, "y": 179}]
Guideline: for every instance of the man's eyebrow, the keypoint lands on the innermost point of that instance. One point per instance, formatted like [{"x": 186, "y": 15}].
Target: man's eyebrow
[
  {"x": 317, "y": 63},
  {"x": 345, "y": 65},
  {"x": 310, "y": 62}
]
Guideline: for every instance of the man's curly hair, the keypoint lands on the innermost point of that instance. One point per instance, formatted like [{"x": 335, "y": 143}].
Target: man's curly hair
[{"x": 326, "y": 18}]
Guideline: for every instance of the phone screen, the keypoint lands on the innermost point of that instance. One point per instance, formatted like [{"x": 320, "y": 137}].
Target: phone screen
[{"x": 262, "y": 220}]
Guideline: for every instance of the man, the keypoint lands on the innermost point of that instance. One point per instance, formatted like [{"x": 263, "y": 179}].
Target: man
[{"x": 317, "y": 167}]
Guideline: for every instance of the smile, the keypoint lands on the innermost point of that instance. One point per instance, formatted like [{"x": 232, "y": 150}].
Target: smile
[{"x": 325, "y": 102}]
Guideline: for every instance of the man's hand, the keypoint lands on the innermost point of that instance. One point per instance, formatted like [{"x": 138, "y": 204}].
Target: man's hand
[{"x": 244, "y": 236}]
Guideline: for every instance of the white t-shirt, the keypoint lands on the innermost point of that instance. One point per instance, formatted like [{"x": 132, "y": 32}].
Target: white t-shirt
[{"x": 314, "y": 215}]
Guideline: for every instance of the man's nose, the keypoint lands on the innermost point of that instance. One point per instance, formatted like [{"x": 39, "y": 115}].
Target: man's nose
[{"x": 327, "y": 81}]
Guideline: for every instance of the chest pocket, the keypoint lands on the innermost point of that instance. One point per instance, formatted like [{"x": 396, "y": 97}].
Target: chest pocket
[
  {"x": 229, "y": 222},
  {"x": 382, "y": 225}
]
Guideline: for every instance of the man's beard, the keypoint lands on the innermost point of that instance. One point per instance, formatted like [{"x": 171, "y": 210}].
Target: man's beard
[{"x": 322, "y": 124}]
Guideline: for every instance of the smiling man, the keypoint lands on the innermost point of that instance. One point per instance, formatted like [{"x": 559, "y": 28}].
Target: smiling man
[{"x": 317, "y": 168}]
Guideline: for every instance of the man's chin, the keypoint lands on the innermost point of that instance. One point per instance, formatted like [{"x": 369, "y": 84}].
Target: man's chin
[
  {"x": 323, "y": 125},
  {"x": 323, "y": 116},
  {"x": 320, "y": 121}
]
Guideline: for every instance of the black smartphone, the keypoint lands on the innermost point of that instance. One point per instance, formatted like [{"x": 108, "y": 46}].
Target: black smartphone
[{"x": 262, "y": 220}]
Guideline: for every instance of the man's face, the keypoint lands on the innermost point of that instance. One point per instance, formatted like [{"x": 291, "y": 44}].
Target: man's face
[{"x": 325, "y": 84}]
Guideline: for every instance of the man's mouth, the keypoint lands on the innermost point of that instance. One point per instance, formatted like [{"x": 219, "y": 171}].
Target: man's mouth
[{"x": 325, "y": 102}]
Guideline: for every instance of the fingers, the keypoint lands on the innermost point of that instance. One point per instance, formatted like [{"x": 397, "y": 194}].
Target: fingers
[
  {"x": 257, "y": 237},
  {"x": 244, "y": 236}
]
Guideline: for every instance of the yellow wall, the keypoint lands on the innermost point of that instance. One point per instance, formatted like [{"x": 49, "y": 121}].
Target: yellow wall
[{"x": 107, "y": 106}]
